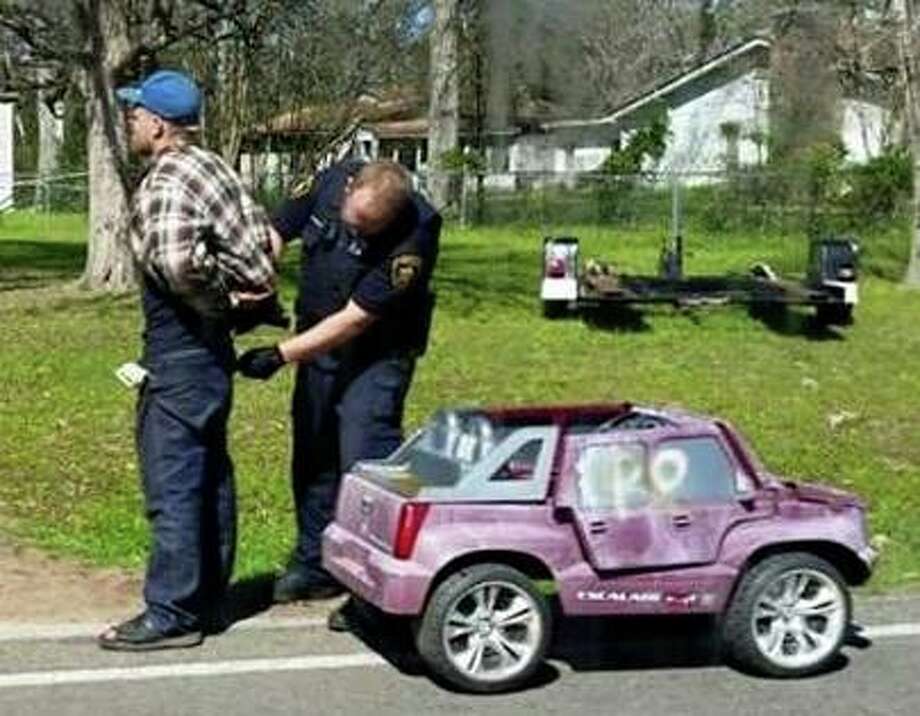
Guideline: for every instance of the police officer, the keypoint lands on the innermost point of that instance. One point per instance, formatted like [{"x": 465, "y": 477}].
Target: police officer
[{"x": 369, "y": 247}]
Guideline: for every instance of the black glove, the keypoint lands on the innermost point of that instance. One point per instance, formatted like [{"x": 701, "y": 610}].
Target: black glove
[
  {"x": 269, "y": 311},
  {"x": 261, "y": 363}
]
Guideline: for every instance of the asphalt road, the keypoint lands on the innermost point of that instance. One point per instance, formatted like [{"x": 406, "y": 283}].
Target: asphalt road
[{"x": 294, "y": 666}]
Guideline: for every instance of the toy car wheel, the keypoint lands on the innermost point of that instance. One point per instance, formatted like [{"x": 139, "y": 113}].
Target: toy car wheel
[
  {"x": 789, "y": 616},
  {"x": 485, "y": 629}
]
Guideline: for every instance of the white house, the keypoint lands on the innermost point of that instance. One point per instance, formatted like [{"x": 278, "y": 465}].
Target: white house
[
  {"x": 718, "y": 113},
  {"x": 718, "y": 116},
  {"x": 6, "y": 150}
]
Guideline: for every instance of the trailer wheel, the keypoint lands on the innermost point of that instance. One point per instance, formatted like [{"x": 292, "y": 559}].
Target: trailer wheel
[
  {"x": 768, "y": 311},
  {"x": 555, "y": 309},
  {"x": 834, "y": 314}
]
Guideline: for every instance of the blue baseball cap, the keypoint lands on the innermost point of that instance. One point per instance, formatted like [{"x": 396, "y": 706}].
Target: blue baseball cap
[{"x": 172, "y": 95}]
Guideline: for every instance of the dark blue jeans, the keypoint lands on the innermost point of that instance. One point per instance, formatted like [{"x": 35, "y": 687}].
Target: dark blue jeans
[
  {"x": 339, "y": 416},
  {"x": 187, "y": 480}
]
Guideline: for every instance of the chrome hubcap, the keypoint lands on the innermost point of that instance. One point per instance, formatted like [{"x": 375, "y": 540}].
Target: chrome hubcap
[
  {"x": 492, "y": 631},
  {"x": 799, "y": 618}
]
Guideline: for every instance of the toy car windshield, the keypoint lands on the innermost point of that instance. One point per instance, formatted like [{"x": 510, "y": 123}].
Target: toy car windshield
[
  {"x": 469, "y": 454},
  {"x": 448, "y": 447}
]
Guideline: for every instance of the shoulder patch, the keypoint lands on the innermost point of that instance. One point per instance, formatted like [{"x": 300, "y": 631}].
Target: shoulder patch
[{"x": 404, "y": 270}]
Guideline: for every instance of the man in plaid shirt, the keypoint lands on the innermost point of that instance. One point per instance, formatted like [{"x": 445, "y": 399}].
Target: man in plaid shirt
[
  {"x": 196, "y": 231},
  {"x": 199, "y": 240}
]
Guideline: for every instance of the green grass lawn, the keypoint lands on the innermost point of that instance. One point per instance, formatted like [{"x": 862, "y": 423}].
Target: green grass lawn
[{"x": 839, "y": 407}]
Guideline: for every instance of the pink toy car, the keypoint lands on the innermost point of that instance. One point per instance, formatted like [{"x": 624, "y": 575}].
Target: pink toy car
[{"x": 483, "y": 516}]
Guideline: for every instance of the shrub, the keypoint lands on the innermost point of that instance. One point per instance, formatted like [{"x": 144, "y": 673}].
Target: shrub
[
  {"x": 878, "y": 188},
  {"x": 626, "y": 166}
]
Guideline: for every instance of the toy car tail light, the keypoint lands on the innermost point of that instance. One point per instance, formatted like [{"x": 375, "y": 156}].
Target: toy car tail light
[
  {"x": 556, "y": 267},
  {"x": 411, "y": 518}
]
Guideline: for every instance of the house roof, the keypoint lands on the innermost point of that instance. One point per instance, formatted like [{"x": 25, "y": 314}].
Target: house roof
[
  {"x": 408, "y": 128},
  {"x": 668, "y": 87},
  {"x": 327, "y": 117},
  {"x": 394, "y": 114}
]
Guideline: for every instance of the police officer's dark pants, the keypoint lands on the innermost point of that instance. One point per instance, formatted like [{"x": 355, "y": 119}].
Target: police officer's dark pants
[
  {"x": 340, "y": 416},
  {"x": 187, "y": 479}
]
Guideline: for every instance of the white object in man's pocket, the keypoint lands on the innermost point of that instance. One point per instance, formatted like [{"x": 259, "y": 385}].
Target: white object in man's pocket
[{"x": 132, "y": 375}]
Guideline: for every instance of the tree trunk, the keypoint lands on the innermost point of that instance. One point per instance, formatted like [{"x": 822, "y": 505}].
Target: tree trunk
[
  {"x": 233, "y": 81},
  {"x": 912, "y": 117},
  {"x": 444, "y": 111},
  {"x": 109, "y": 265}
]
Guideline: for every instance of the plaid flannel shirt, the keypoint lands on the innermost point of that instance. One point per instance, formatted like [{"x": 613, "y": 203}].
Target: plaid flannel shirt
[{"x": 197, "y": 232}]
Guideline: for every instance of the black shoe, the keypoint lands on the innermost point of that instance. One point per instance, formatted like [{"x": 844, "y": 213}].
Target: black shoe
[
  {"x": 139, "y": 634},
  {"x": 217, "y": 620},
  {"x": 341, "y": 619},
  {"x": 296, "y": 586}
]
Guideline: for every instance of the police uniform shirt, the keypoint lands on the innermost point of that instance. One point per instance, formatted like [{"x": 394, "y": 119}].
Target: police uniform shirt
[{"x": 386, "y": 275}]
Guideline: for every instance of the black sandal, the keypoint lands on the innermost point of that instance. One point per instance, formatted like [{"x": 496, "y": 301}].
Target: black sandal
[{"x": 139, "y": 634}]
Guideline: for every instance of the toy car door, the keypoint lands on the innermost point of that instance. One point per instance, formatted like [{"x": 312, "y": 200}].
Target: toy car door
[{"x": 650, "y": 501}]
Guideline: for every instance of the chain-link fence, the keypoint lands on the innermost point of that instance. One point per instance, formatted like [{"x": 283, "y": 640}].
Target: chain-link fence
[
  {"x": 749, "y": 200},
  {"x": 65, "y": 193},
  {"x": 765, "y": 205},
  {"x": 44, "y": 208},
  {"x": 774, "y": 212},
  {"x": 42, "y": 231},
  {"x": 767, "y": 201}
]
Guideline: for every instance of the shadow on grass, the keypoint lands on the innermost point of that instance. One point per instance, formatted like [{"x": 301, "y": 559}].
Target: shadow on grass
[
  {"x": 477, "y": 276},
  {"x": 66, "y": 295},
  {"x": 780, "y": 319},
  {"x": 617, "y": 318},
  {"x": 99, "y": 300},
  {"x": 31, "y": 264},
  {"x": 588, "y": 644},
  {"x": 787, "y": 321}
]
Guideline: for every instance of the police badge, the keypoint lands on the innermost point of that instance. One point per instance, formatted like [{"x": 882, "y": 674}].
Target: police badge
[{"x": 404, "y": 269}]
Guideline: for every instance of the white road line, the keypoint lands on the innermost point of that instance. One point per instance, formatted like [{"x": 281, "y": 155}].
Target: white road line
[
  {"x": 56, "y": 632},
  {"x": 217, "y": 668},
  {"x": 260, "y": 666},
  {"x": 890, "y": 630},
  {"x": 885, "y": 599}
]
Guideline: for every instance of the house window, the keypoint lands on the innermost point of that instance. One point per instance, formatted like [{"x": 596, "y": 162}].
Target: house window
[{"x": 498, "y": 159}]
